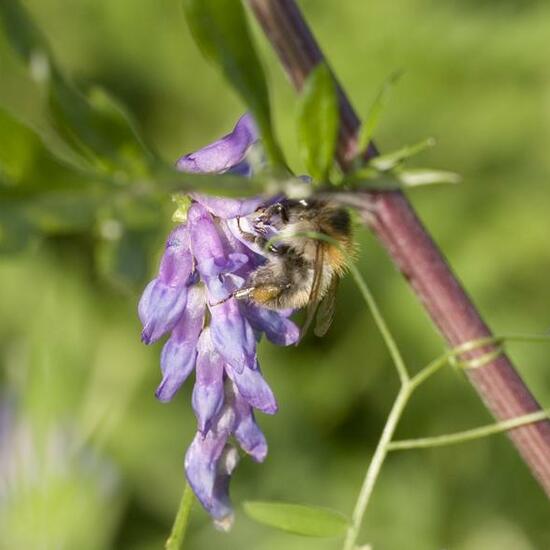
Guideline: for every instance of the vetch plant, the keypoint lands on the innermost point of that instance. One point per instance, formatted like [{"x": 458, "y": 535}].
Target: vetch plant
[
  {"x": 198, "y": 299},
  {"x": 207, "y": 261},
  {"x": 317, "y": 130},
  {"x": 211, "y": 333}
]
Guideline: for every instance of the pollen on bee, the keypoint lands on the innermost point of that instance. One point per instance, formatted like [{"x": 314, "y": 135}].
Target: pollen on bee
[{"x": 265, "y": 294}]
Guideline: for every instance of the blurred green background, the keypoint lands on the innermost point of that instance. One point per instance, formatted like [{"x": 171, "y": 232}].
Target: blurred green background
[{"x": 89, "y": 458}]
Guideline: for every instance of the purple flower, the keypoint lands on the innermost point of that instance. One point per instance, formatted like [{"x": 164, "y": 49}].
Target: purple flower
[
  {"x": 163, "y": 300},
  {"x": 210, "y": 331},
  {"x": 228, "y": 153}
]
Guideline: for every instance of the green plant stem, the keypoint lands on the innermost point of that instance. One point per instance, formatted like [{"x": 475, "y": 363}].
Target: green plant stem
[
  {"x": 381, "y": 324},
  {"x": 408, "y": 386},
  {"x": 472, "y": 345},
  {"x": 468, "y": 435},
  {"x": 175, "y": 540},
  {"x": 439, "y": 362},
  {"x": 374, "y": 467}
]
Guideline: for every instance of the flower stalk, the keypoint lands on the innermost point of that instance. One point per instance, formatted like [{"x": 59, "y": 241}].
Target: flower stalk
[
  {"x": 177, "y": 536},
  {"x": 408, "y": 386},
  {"x": 467, "y": 435},
  {"x": 375, "y": 466}
]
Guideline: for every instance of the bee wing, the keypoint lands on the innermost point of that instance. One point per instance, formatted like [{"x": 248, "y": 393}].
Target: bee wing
[
  {"x": 325, "y": 311},
  {"x": 315, "y": 288}
]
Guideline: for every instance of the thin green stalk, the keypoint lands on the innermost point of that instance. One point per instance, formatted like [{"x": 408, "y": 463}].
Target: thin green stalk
[
  {"x": 479, "y": 362},
  {"x": 439, "y": 362},
  {"x": 375, "y": 466},
  {"x": 472, "y": 345},
  {"x": 175, "y": 540},
  {"x": 468, "y": 435},
  {"x": 408, "y": 386},
  {"x": 381, "y": 324},
  {"x": 430, "y": 369}
]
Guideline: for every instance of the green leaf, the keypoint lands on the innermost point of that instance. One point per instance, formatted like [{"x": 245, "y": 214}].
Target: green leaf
[
  {"x": 87, "y": 133},
  {"x": 311, "y": 521},
  {"x": 415, "y": 177},
  {"x": 318, "y": 120},
  {"x": 392, "y": 181},
  {"x": 221, "y": 31},
  {"x": 62, "y": 212},
  {"x": 20, "y": 30},
  {"x": 389, "y": 161},
  {"x": 99, "y": 126},
  {"x": 21, "y": 98},
  {"x": 369, "y": 178},
  {"x": 371, "y": 122},
  {"x": 17, "y": 148},
  {"x": 15, "y": 230},
  {"x": 375, "y": 182},
  {"x": 25, "y": 68},
  {"x": 52, "y": 212}
]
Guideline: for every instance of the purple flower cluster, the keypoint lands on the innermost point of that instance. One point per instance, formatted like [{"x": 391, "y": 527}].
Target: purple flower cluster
[{"x": 205, "y": 261}]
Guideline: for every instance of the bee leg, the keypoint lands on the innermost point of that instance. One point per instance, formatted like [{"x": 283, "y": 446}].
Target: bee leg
[
  {"x": 265, "y": 294},
  {"x": 243, "y": 293},
  {"x": 247, "y": 236},
  {"x": 258, "y": 240},
  {"x": 260, "y": 294}
]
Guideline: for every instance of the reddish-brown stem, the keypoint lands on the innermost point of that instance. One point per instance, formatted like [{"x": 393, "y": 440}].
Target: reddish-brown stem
[{"x": 393, "y": 220}]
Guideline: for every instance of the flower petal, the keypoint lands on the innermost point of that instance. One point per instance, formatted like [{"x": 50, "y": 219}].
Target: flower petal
[
  {"x": 254, "y": 259},
  {"x": 277, "y": 327},
  {"x": 226, "y": 465},
  {"x": 206, "y": 468},
  {"x": 212, "y": 252},
  {"x": 212, "y": 267},
  {"x": 176, "y": 263},
  {"x": 232, "y": 335},
  {"x": 252, "y": 387},
  {"x": 225, "y": 153},
  {"x": 206, "y": 241},
  {"x": 164, "y": 298},
  {"x": 179, "y": 353},
  {"x": 243, "y": 169},
  {"x": 208, "y": 391},
  {"x": 229, "y": 208},
  {"x": 160, "y": 307},
  {"x": 247, "y": 432}
]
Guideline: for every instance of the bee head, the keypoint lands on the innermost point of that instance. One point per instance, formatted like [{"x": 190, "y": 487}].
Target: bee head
[
  {"x": 271, "y": 218},
  {"x": 280, "y": 214}
]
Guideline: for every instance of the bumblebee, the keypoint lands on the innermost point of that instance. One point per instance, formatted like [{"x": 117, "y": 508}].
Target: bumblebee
[{"x": 301, "y": 270}]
